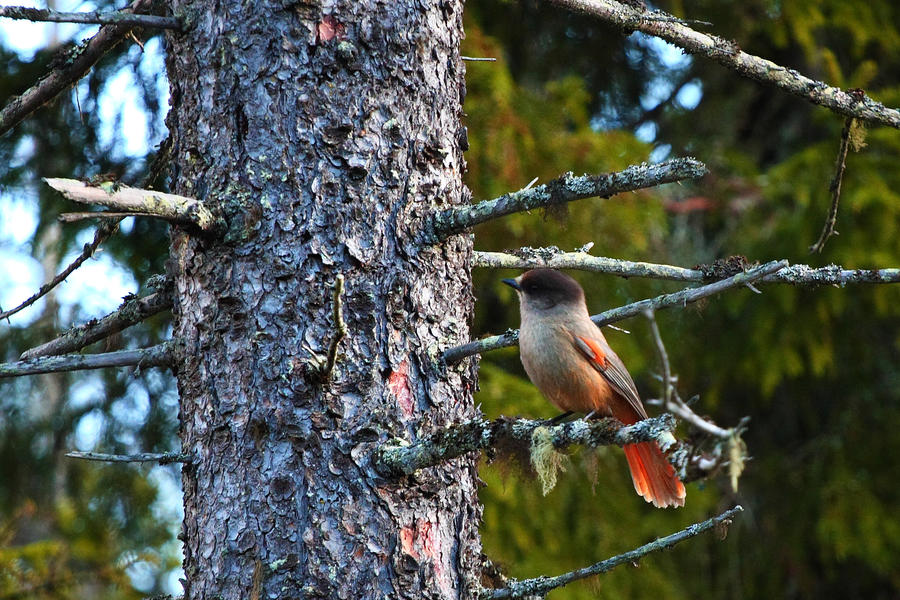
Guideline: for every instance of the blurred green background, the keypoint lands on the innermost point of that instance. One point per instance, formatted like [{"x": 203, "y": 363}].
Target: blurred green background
[{"x": 815, "y": 369}]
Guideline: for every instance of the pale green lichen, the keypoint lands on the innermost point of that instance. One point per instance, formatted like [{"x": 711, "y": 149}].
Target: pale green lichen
[
  {"x": 546, "y": 459},
  {"x": 737, "y": 451}
]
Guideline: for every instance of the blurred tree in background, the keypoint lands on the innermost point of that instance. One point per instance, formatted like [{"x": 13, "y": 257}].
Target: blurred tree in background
[
  {"x": 71, "y": 529},
  {"x": 816, "y": 369}
]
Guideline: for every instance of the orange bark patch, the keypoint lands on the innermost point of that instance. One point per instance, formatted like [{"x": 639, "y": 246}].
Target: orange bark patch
[
  {"x": 398, "y": 384},
  {"x": 424, "y": 542},
  {"x": 328, "y": 29},
  {"x": 408, "y": 541},
  {"x": 431, "y": 542}
]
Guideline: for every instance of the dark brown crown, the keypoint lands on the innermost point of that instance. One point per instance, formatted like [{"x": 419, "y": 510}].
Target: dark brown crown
[{"x": 550, "y": 287}]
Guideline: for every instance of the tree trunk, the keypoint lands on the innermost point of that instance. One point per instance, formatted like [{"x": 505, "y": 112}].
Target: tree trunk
[{"x": 325, "y": 135}]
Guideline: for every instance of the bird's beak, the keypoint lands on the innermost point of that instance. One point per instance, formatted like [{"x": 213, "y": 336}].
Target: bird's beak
[{"x": 513, "y": 284}]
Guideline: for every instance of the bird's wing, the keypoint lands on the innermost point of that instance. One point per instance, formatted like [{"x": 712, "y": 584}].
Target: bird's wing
[{"x": 608, "y": 364}]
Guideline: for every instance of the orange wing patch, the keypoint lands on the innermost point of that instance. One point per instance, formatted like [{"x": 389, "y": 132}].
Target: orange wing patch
[{"x": 592, "y": 350}]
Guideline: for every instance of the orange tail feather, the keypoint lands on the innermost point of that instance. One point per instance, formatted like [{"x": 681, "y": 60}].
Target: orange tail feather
[{"x": 654, "y": 478}]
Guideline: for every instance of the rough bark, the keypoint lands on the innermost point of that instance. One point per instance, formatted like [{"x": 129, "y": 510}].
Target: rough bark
[{"x": 325, "y": 135}]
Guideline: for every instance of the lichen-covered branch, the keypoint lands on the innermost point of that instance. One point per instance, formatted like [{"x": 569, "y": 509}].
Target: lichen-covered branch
[
  {"x": 103, "y": 232},
  {"x": 401, "y": 458},
  {"x": 564, "y": 189},
  {"x": 539, "y": 586},
  {"x": 92, "y": 18},
  {"x": 680, "y": 298},
  {"x": 851, "y": 103},
  {"x": 552, "y": 257},
  {"x": 163, "y": 458},
  {"x": 160, "y": 355},
  {"x": 75, "y": 66},
  {"x": 151, "y": 203},
  {"x": 133, "y": 310}
]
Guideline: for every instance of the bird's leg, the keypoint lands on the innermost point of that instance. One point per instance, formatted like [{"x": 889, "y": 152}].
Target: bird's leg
[
  {"x": 560, "y": 418},
  {"x": 590, "y": 415}
]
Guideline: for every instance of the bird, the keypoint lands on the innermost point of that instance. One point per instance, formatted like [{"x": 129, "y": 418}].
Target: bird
[{"x": 568, "y": 359}]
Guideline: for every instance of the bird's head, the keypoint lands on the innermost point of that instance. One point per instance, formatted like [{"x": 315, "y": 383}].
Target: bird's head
[{"x": 545, "y": 289}]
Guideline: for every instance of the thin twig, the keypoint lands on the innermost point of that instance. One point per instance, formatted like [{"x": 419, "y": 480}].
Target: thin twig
[
  {"x": 478, "y": 58},
  {"x": 151, "y": 203},
  {"x": 90, "y": 18},
  {"x": 62, "y": 78},
  {"x": 671, "y": 401},
  {"x": 401, "y": 458},
  {"x": 835, "y": 188},
  {"x": 663, "y": 357},
  {"x": 163, "y": 458},
  {"x": 566, "y": 188},
  {"x": 161, "y": 355},
  {"x": 853, "y": 103},
  {"x": 554, "y": 258},
  {"x": 729, "y": 450},
  {"x": 340, "y": 327},
  {"x": 539, "y": 586},
  {"x": 103, "y": 232},
  {"x": 681, "y": 298},
  {"x": 132, "y": 311}
]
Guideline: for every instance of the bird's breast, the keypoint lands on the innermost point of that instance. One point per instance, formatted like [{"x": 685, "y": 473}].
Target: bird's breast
[{"x": 559, "y": 371}]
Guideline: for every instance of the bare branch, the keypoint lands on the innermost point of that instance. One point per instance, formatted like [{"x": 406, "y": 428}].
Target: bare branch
[
  {"x": 151, "y": 203},
  {"x": 133, "y": 310},
  {"x": 699, "y": 459},
  {"x": 565, "y": 189},
  {"x": 91, "y": 18},
  {"x": 539, "y": 586},
  {"x": 663, "y": 357},
  {"x": 712, "y": 451},
  {"x": 685, "y": 296},
  {"x": 74, "y": 217},
  {"x": 671, "y": 401},
  {"x": 163, "y": 458},
  {"x": 161, "y": 355},
  {"x": 60, "y": 79},
  {"x": 103, "y": 232},
  {"x": 533, "y": 258},
  {"x": 835, "y": 188},
  {"x": 404, "y": 459},
  {"x": 852, "y": 103},
  {"x": 478, "y": 58}
]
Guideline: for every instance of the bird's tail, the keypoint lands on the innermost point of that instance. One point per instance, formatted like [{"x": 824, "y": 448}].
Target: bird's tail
[{"x": 653, "y": 476}]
